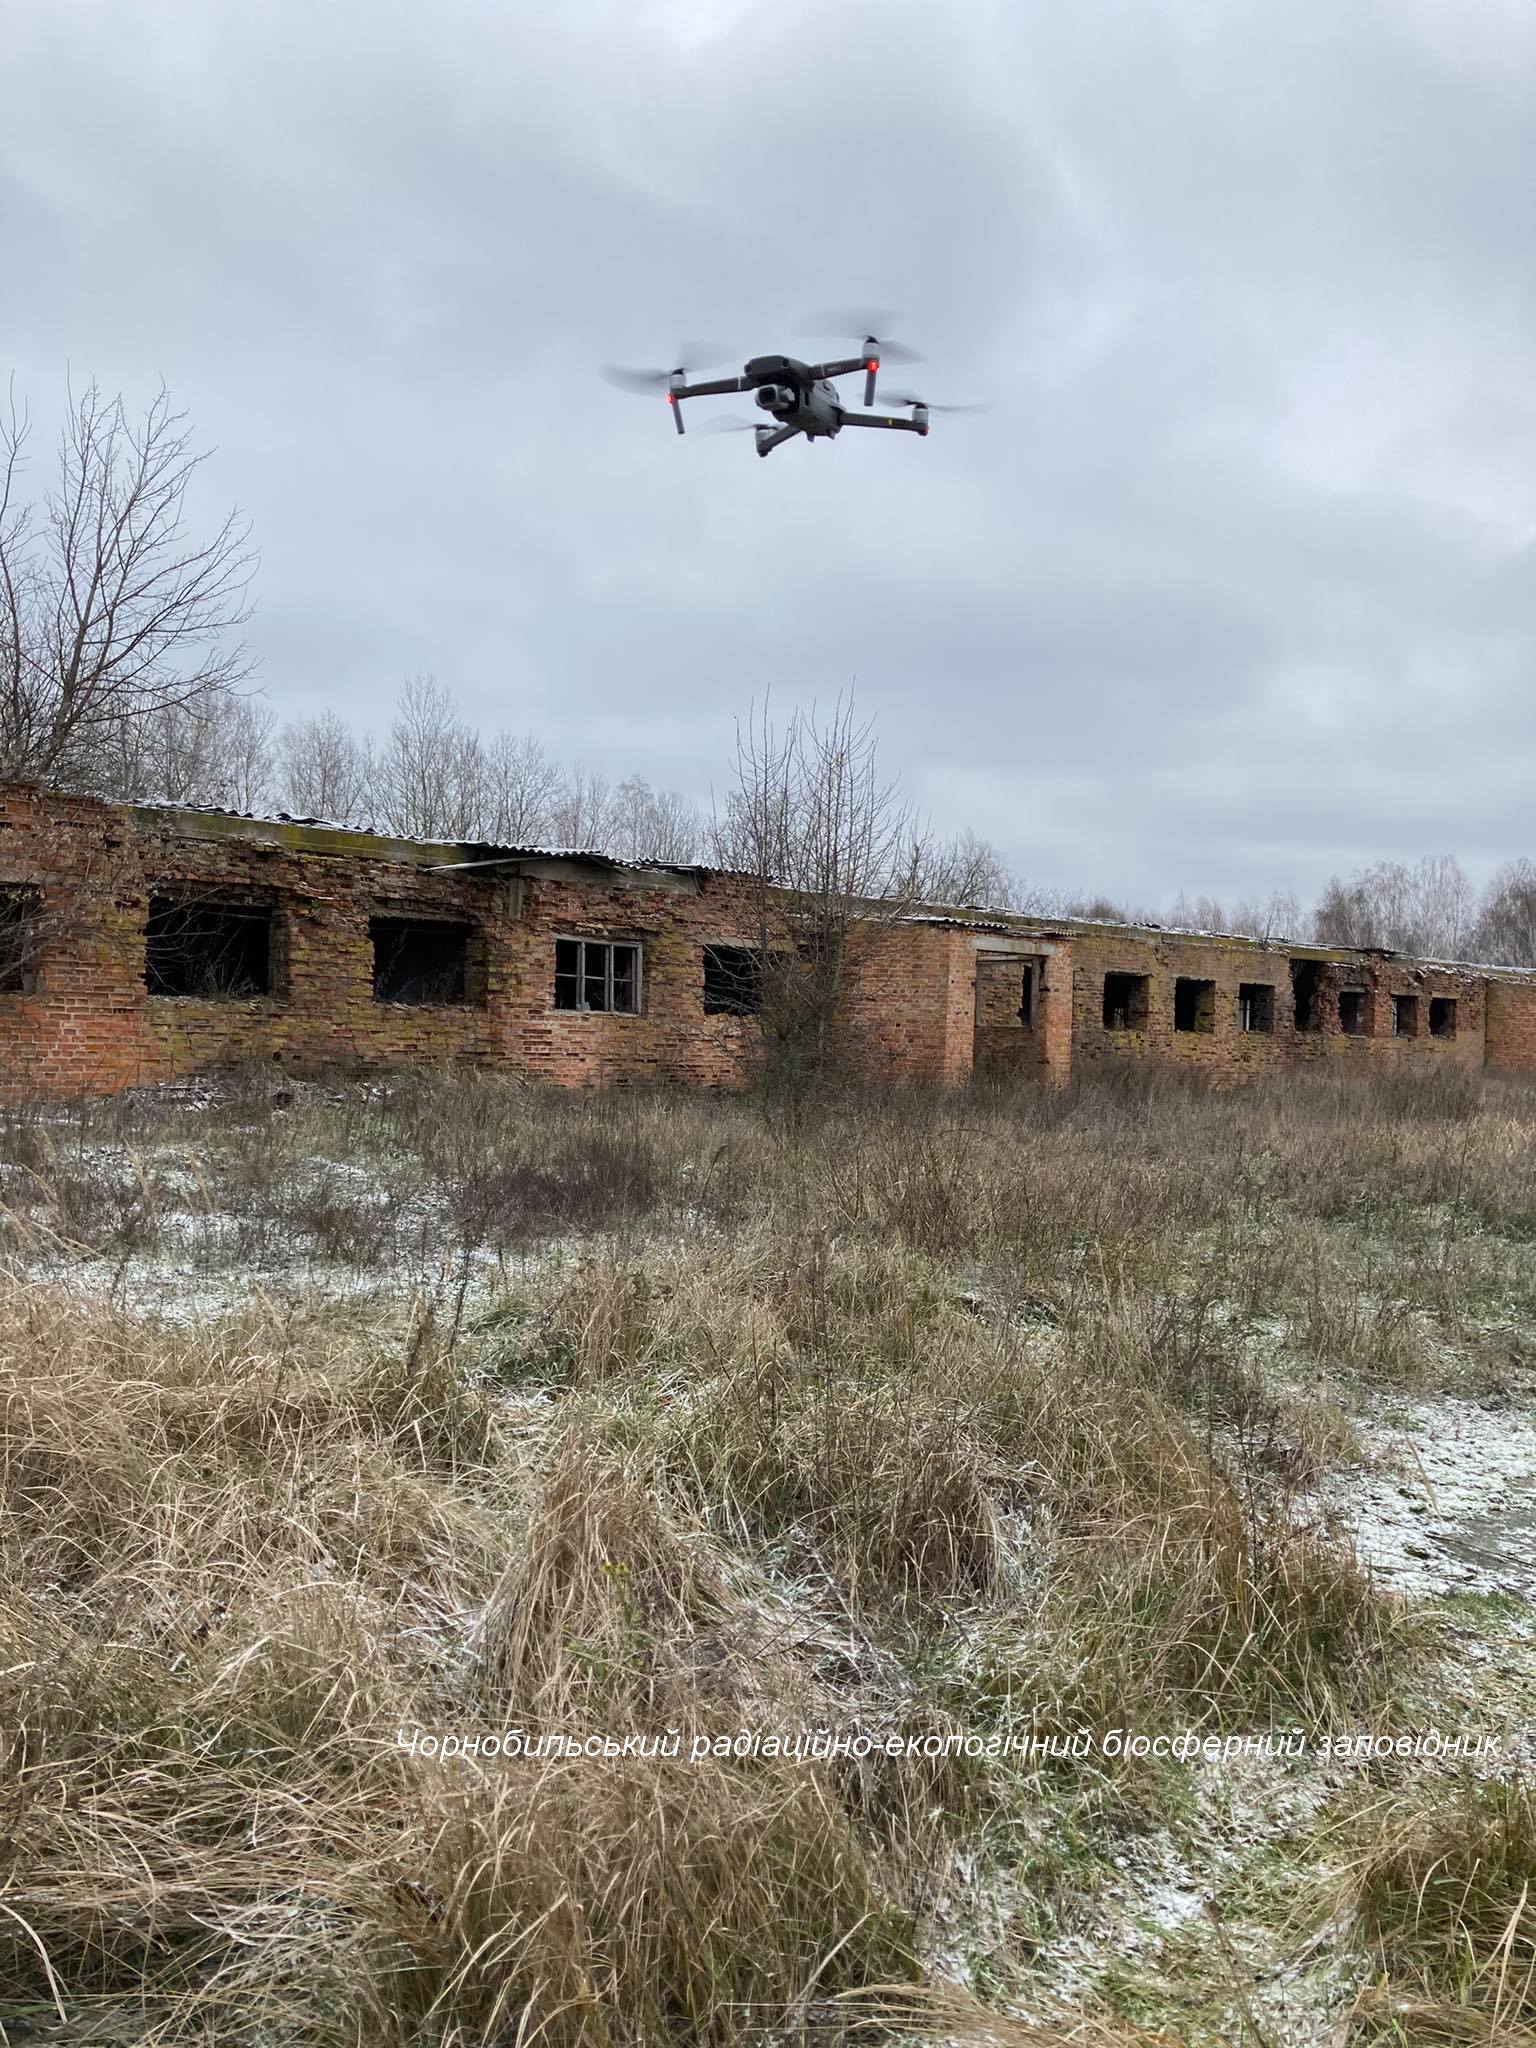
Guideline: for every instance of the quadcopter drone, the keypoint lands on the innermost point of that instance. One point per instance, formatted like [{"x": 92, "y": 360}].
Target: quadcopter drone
[{"x": 799, "y": 398}]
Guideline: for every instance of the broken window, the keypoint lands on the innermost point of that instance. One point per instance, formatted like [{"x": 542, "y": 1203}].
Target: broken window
[
  {"x": 596, "y": 974},
  {"x": 1027, "y": 997},
  {"x": 1352, "y": 1014},
  {"x": 1304, "y": 994},
  {"x": 207, "y": 947},
  {"x": 419, "y": 960},
  {"x": 1442, "y": 1016},
  {"x": 1125, "y": 1002},
  {"x": 733, "y": 981},
  {"x": 1256, "y": 1006},
  {"x": 1194, "y": 1005},
  {"x": 1405, "y": 1016},
  {"x": 20, "y": 939}
]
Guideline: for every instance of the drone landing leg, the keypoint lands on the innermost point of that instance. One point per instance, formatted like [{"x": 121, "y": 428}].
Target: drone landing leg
[{"x": 766, "y": 443}]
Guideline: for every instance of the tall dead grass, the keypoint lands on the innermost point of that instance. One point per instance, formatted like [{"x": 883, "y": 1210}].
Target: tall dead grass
[{"x": 981, "y": 1413}]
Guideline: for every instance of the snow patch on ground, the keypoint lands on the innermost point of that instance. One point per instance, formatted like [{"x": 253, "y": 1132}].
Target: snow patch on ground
[{"x": 1446, "y": 1500}]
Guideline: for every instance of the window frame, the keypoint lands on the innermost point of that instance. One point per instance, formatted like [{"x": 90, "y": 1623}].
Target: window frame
[
  {"x": 1405, "y": 1011},
  {"x": 1354, "y": 1002},
  {"x": 1194, "y": 1005},
  {"x": 464, "y": 927},
  {"x": 1442, "y": 1012},
  {"x": 581, "y": 1007},
  {"x": 1138, "y": 1008},
  {"x": 758, "y": 977},
  {"x": 21, "y": 912},
  {"x": 1256, "y": 1001},
  {"x": 170, "y": 900}
]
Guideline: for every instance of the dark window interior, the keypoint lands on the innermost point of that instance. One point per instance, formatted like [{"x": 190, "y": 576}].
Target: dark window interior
[
  {"x": 1352, "y": 1016},
  {"x": 20, "y": 936},
  {"x": 1405, "y": 1016},
  {"x": 1027, "y": 997},
  {"x": 1442, "y": 1016},
  {"x": 1194, "y": 1005},
  {"x": 1304, "y": 994},
  {"x": 200, "y": 946},
  {"x": 1125, "y": 1002},
  {"x": 596, "y": 974},
  {"x": 1256, "y": 1006},
  {"x": 419, "y": 960},
  {"x": 733, "y": 981}
]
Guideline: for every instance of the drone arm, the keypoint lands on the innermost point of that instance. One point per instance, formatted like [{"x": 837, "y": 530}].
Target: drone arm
[
  {"x": 715, "y": 386},
  {"x": 766, "y": 443},
  {"x": 881, "y": 419},
  {"x": 678, "y": 391},
  {"x": 843, "y": 368}
]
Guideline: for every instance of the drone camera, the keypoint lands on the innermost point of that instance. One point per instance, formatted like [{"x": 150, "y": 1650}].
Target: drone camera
[{"x": 772, "y": 396}]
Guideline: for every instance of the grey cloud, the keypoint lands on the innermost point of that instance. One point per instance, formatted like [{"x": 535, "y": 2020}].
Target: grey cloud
[{"x": 1233, "y": 586}]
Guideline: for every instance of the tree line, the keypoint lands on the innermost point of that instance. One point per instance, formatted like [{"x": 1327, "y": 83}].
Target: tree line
[{"x": 122, "y": 674}]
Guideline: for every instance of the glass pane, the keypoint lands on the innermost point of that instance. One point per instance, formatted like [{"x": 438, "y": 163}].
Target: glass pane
[
  {"x": 567, "y": 956},
  {"x": 624, "y": 978},
  {"x": 595, "y": 977},
  {"x": 567, "y": 992}
]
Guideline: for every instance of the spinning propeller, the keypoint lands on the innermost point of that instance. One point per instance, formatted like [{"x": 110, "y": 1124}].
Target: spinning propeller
[
  {"x": 922, "y": 405},
  {"x": 692, "y": 355},
  {"x": 864, "y": 324}
]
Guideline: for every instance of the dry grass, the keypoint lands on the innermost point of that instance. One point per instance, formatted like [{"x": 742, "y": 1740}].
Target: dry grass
[
  {"x": 909, "y": 1414},
  {"x": 1447, "y": 1893}
]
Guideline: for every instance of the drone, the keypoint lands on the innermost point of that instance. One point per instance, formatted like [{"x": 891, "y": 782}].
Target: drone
[{"x": 799, "y": 398}]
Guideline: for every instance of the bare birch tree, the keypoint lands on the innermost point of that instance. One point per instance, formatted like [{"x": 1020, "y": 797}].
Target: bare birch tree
[
  {"x": 968, "y": 871},
  {"x": 1427, "y": 910},
  {"x": 110, "y": 610},
  {"x": 324, "y": 771},
  {"x": 217, "y": 750},
  {"x": 837, "y": 857},
  {"x": 654, "y": 824},
  {"x": 522, "y": 787},
  {"x": 431, "y": 771},
  {"x": 585, "y": 813},
  {"x": 1505, "y": 933}
]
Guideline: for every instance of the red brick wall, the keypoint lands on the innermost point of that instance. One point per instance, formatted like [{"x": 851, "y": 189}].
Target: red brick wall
[
  {"x": 1231, "y": 1053},
  {"x": 673, "y": 1040},
  {"x": 911, "y": 1010},
  {"x": 1005, "y": 1045},
  {"x": 89, "y": 1025},
  {"x": 1512, "y": 1025},
  {"x": 909, "y": 1006}
]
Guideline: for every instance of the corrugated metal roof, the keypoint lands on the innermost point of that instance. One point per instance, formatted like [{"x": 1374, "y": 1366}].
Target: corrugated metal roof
[{"x": 487, "y": 852}]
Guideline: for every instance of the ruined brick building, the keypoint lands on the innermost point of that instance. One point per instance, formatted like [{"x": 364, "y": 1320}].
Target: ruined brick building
[{"x": 139, "y": 943}]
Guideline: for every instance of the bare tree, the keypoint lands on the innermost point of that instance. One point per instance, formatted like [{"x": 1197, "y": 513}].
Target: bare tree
[
  {"x": 968, "y": 870},
  {"x": 432, "y": 770},
  {"x": 1505, "y": 932},
  {"x": 110, "y": 612},
  {"x": 1426, "y": 911},
  {"x": 215, "y": 751},
  {"x": 324, "y": 771},
  {"x": 1196, "y": 914},
  {"x": 1279, "y": 916},
  {"x": 522, "y": 786},
  {"x": 837, "y": 858},
  {"x": 652, "y": 824},
  {"x": 586, "y": 813}
]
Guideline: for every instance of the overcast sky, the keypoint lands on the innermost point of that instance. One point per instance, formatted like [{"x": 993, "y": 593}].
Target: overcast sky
[{"x": 1235, "y": 585}]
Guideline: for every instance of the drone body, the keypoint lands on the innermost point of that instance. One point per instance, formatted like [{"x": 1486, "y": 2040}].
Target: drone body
[{"x": 799, "y": 398}]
